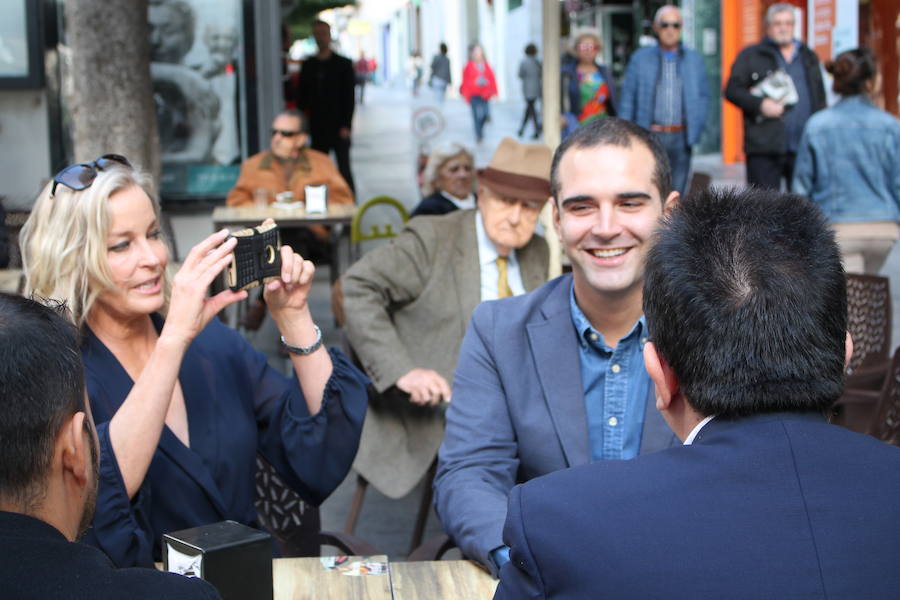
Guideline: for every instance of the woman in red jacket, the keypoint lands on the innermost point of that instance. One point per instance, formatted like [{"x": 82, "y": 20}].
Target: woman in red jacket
[{"x": 478, "y": 86}]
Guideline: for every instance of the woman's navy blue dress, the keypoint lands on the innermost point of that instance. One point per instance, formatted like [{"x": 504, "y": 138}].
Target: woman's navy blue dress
[{"x": 237, "y": 406}]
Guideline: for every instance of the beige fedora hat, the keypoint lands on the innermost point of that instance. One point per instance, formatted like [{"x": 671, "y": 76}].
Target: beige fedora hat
[{"x": 519, "y": 170}]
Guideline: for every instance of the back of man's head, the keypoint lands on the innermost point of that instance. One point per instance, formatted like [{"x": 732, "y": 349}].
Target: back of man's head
[
  {"x": 41, "y": 385},
  {"x": 745, "y": 298}
]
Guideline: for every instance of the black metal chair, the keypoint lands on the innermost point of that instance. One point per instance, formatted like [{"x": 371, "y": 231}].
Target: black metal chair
[
  {"x": 869, "y": 323},
  {"x": 294, "y": 524}
]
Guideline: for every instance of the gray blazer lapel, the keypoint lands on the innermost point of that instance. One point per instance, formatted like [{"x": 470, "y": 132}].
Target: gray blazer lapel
[
  {"x": 657, "y": 434},
  {"x": 555, "y": 351},
  {"x": 466, "y": 270}
]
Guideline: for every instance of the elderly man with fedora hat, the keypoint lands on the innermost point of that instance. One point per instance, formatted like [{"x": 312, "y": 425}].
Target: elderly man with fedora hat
[{"x": 408, "y": 304}]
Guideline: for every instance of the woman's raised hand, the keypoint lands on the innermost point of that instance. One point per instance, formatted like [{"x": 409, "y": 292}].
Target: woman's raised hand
[
  {"x": 189, "y": 308},
  {"x": 288, "y": 294}
]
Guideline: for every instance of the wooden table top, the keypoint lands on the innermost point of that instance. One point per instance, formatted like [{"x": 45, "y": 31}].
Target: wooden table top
[
  {"x": 252, "y": 215},
  {"x": 441, "y": 579},
  {"x": 311, "y": 579}
]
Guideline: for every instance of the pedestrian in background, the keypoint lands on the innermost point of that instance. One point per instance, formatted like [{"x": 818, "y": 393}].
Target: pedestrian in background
[
  {"x": 666, "y": 91},
  {"x": 847, "y": 164},
  {"x": 362, "y": 75},
  {"x": 478, "y": 86},
  {"x": 777, "y": 84},
  {"x": 440, "y": 77},
  {"x": 327, "y": 97},
  {"x": 588, "y": 88},
  {"x": 530, "y": 74},
  {"x": 415, "y": 68}
]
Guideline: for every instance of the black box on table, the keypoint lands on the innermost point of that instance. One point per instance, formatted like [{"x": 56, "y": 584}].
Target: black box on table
[{"x": 236, "y": 559}]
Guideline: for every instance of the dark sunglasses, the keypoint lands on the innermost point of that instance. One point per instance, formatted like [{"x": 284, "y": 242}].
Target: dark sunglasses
[
  {"x": 666, "y": 25},
  {"x": 81, "y": 176},
  {"x": 286, "y": 133}
]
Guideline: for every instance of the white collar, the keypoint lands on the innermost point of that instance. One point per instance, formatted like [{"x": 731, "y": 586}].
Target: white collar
[
  {"x": 696, "y": 430},
  {"x": 461, "y": 203}
]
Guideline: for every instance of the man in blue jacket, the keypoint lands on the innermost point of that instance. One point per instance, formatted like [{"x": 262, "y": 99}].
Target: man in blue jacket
[
  {"x": 746, "y": 304},
  {"x": 666, "y": 91}
]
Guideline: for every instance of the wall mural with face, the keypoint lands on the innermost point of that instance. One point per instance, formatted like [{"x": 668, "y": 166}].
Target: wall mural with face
[{"x": 195, "y": 50}]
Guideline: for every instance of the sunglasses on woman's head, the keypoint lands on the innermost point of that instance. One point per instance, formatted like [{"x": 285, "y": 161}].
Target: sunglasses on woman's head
[{"x": 81, "y": 176}]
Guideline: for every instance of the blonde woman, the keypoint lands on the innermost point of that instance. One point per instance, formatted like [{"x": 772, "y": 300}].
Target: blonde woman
[
  {"x": 182, "y": 403},
  {"x": 448, "y": 181}
]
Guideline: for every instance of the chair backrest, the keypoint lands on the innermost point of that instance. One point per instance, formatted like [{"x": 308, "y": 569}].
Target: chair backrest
[
  {"x": 886, "y": 422},
  {"x": 868, "y": 319},
  {"x": 376, "y": 232},
  {"x": 292, "y": 522}
]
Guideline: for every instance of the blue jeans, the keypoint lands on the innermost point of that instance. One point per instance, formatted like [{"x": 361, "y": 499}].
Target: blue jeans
[
  {"x": 479, "y": 115},
  {"x": 679, "y": 154}
]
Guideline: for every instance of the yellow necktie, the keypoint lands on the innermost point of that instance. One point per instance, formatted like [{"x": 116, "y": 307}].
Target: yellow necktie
[{"x": 503, "y": 289}]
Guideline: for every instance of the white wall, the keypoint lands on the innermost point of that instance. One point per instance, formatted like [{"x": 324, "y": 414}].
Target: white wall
[{"x": 24, "y": 147}]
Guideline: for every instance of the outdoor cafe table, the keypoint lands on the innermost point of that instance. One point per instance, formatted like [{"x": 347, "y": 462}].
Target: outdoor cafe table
[
  {"x": 337, "y": 219},
  {"x": 307, "y": 578}
]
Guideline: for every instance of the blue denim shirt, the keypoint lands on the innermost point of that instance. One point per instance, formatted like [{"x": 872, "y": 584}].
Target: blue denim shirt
[
  {"x": 847, "y": 162},
  {"x": 615, "y": 384}
]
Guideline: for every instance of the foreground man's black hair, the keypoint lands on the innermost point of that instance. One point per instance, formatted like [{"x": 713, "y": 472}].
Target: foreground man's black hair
[
  {"x": 746, "y": 299},
  {"x": 41, "y": 385}
]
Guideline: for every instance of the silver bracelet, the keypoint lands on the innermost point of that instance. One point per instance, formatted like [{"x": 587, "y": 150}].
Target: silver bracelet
[{"x": 304, "y": 350}]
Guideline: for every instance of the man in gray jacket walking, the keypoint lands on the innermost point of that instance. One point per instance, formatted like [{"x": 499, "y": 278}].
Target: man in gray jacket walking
[{"x": 530, "y": 74}]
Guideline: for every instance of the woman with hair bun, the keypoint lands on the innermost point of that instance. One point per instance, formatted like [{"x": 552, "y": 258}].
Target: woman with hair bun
[{"x": 847, "y": 164}]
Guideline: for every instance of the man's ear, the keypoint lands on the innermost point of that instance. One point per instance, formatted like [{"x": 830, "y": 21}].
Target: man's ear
[
  {"x": 671, "y": 201},
  {"x": 662, "y": 375},
  {"x": 73, "y": 446},
  {"x": 848, "y": 350}
]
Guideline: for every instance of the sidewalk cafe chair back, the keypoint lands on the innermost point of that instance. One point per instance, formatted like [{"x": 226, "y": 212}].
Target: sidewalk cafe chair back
[{"x": 376, "y": 231}]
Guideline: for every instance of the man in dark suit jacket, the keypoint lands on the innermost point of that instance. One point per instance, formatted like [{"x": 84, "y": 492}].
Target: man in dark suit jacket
[
  {"x": 326, "y": 94},
  {"x": 48, "y": 479},
  {"x": 555, "y": 378},
  {"x": 745, "y": 298}
]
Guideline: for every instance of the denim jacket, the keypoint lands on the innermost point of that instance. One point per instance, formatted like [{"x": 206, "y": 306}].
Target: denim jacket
[
  {"x": 639, "y": 89},
  {"x": 847, "y": 162}
]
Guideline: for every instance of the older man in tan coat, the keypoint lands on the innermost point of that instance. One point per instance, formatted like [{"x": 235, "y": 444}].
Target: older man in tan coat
[{"x": 408, "y": 305}]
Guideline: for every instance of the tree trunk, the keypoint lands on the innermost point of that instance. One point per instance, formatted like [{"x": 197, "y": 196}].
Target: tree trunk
[{"x": 111, "y": 102}]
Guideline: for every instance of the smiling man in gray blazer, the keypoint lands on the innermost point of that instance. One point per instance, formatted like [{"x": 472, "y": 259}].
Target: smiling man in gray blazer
[
  {"x": 408, "y": 304},
  {"x": 556, "y": 378}
]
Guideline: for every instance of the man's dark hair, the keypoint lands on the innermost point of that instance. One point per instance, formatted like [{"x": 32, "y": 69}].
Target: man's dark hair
[
  {"x": 41, "y": 385},
  {"x": 443, "y": 48},
  {"x": 612, "y": 131},
  {"x": 530, "y": 49},
  {"x": 746, "y": 300}
]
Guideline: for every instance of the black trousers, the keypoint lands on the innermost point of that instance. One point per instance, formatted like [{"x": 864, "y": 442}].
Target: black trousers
[
  {"x": 766, "y": 170},
  {"x": 530, "y": 114},
  {"x": 341, "y": 149}
]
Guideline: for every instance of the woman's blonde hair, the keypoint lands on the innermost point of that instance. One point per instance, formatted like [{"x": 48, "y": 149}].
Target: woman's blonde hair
[
  {"x": 64, "y": 247},
  {"x": 436, "y": 161}
]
